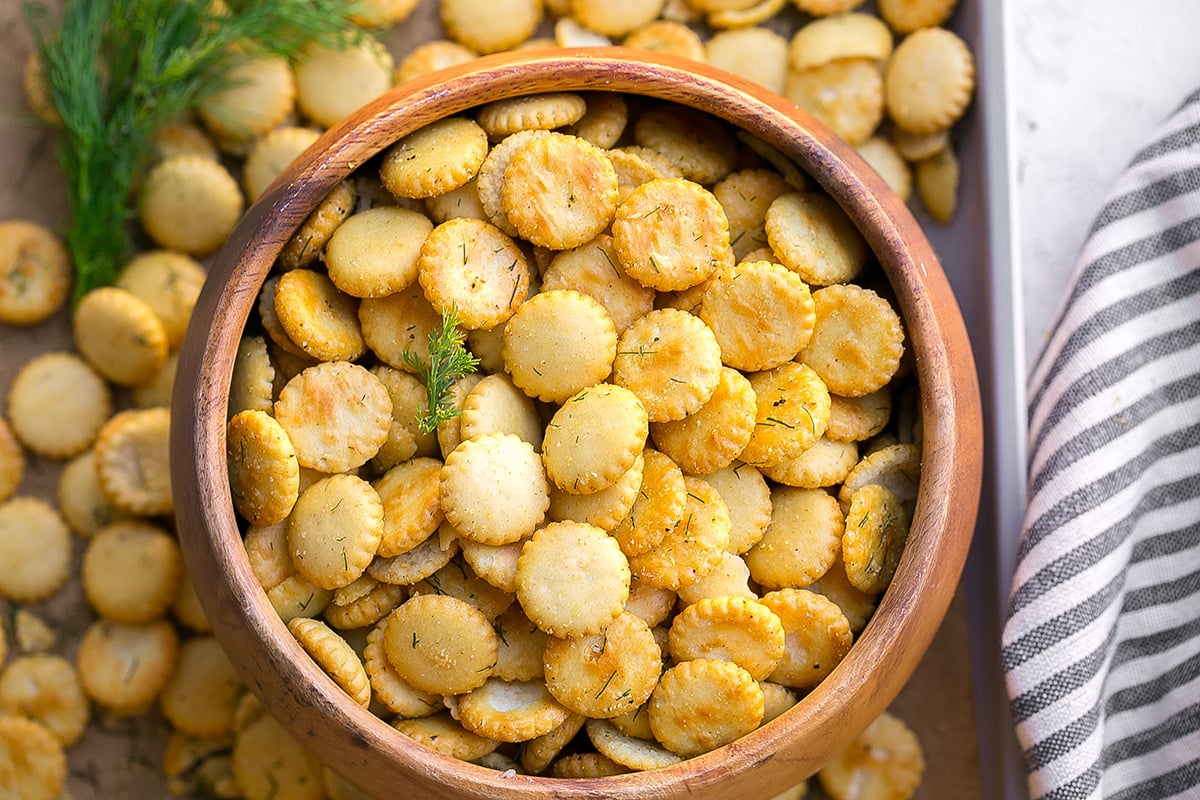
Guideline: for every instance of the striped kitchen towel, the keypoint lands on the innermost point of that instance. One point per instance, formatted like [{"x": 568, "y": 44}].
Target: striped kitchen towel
[{"x": 1101, "y": 648}]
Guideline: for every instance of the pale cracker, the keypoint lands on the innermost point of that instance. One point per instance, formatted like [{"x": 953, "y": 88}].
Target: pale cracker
[
  {"x": 929, "y": 80},
  {"x": 460, "y": 202},
  {"x": 885, "y": 762},
  {"x": 132, "y": 454},
  {"x": 318, "y": 317},
  {"x": 495, "y": 405},
  {"x": 374, "y": 252},
  {"x": 883, "y": 157},
  {"x": 57, "y": 403},
  {"x": 259, "y": 94},
  {"x": 493, "y": 488},
  {"x": 605, "y": 508},
  {"x": 615, "y": 19},
  {"x": 825, "y": 463},
  {"x": 761, "y": 12},
  {"x": 430, "y": 56},
  {"x": 854, "y": 35},
  {"x": 748, "y": 498},
  {"x": 569, "y": 33},
  {"x": 131, "y": 572},
  {"x": 334, "y": 530},
  {"x": 123, "y": 668},
  {"x": 411, "y": 508},
  {"x": 269, "y": 762},
  {"x": 802, "y": 541},
  {"x": 399, "y": 323},
  {"x": 937, "y": 179},
  {"x": 271, "y": 154},
  {"x": 190, "y": 203},
  {"x": 507, "y": 23},
  {"x": 119, "y": 334},
  {"x": 753, "y": 52},
  {"x": 495, "y": 563},
  {"x": 156, "y": 390},
  {"x": 200, "y": 697},
  {"x": 558, "y": 343},
  {"x": 332, "y": 82},
  {"x": 846, "y": 95},
  {"x": 35, "y": 272},
  {"x": 594, "y": 438},
  {"x": 410, "y": 401},
  {"x": 335, "y": 657},
  {"x": 510, "y": 711},
  {"x": 817, "y": 636},
  {"x": 730, "y": 578},
  {"x": 856, "y": 419},
  {"x": 309, "y": 240},
  {"x": 650, "y": 603},
  {"x": 544, "y": 111},
  {"x": 815, "y": 238}
]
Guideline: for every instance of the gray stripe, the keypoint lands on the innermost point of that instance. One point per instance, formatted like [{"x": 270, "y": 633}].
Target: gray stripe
[
  {"x": 1155, "y": 643},
  {"x": 1114, "y": 370},
  {"x": 1146, "y": 197},
  {"x": 1148, "y": 248},
  {"x": 1179, "y": 724},
  {"x": 1174, "y": 783},
  {"x": 1091, "y": 552},
  {"x": 1063, "y": 741},
  {"x": 1155, "y": 689},
  {"x": 1080, "y": 788},
  {"x": 1092, "y": 495},
  {"x": 1173, "y": 142},
  {"x": 1091, "y": 439},
  {"x": 1063, "y": 682},
  {"x": 1115, "y": 315},
  {"x": 1052, "y": 631},
  {"x": 1162, "y": 593}
]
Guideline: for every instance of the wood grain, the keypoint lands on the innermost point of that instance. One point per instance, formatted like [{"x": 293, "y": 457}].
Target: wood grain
[{"x": 762, "y": 763}]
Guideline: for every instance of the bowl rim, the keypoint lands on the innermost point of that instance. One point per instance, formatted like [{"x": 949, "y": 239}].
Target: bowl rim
[{"x": 360, "y": 744}]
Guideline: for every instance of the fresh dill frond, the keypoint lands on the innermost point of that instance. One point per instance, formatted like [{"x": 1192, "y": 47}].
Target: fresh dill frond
[
  {"x": 449, "y": 360},
  {"x": 120, "y": 69}
]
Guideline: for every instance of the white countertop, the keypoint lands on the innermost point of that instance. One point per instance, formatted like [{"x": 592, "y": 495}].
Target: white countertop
[{"x": 1087, "y": 83}]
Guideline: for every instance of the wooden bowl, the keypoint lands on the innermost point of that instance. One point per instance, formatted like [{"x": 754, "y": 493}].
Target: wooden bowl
[{"x": 760, "y": 764}]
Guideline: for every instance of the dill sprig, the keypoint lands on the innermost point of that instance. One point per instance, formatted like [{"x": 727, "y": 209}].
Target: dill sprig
[
  {"x": 449, "y": 360},
  {"x": 118, "y": 69}
]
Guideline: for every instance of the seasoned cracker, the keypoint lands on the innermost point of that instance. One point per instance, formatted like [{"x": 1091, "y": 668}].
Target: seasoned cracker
[
  {"x": 604, "y": 119},
  {"x": 12, "y": 462},
  {"x": 131, "y": 572},
  {"x": 802, "y": 541},
  {"x": 545, "y": 111},
  {"x": 817, "y": 636},
  {"x": 793, "y": 411},
  {"x": 929, "y": 80},
  {"x": 854, "y": 35},
  {"x": 119, "y": 334},
  {"x": 132, "y": 454},
  {"x": 815, "y": 238},
  {"x": 412, "y": 510},
  {"x": 883, "y": 157},
  {"x": 700, "y": 144},
  {"x": 558, "y": 343},
  {"x": 796, "y": 178},
  {"x": 374, "y": 252},
  {"x": 629, "y": 751},
  {"x": 510, "y": 711},
  {"x": 44, "y": 688},
  {"x": 318, "y": 317},
  {"x": 430, "y": 56},
  {"x": 715, "y": 434},
  {"x": 457, "y": 579},
  {"x": 440, "y": 644},
  {"x": 33, "y": 765},
  {"x": 702, "y": 704},
  {"x": 123, "y": 668},
  {"x": 335, "y": 657},
  {"x": 332, "y": 82},
  {"x": 434, "y": 159},
  {"x": 671, "y": 361},
  {"x": 748, "y": 498},
  {"x": 200, "y": 697},
  {"x": 190, "y": 203},
  {"x": 493, "y": 488},
  {"x": 858, "y": 606},
  {"x": 559, "y": 191},
  {"x": 35, "y": 272},
  {"x": 474, "y": 268},
  {"x": 269, "y": 762},
  {"x": 445, "y": 735},
  {"x": 405, "y": 439},
  {"x": 825, "y": 463},
  {"x": 264, "y": 477},
  {"x": 650, "y": 603},
  {"x": 271, "y": 154},
  {"x": 387, "y": 687},
  {"x": 606, "y": 508},
  {"x": 746, "y": 195},
  {"x": 57, "y": 403},
  {"x": 337, "y": 415},
  {"x": 461, "y": 202},
  {"x": 418, "y": 563},
  {"x": 730, "y": 578},
  {"x": 857, "y": 340},
  {"x": 670, "y": 234},
  {"x": 566, "y": 554},
  {"x": 33, "y": 567},
  {"x": 399, "y": 323},
  {"x": 856, "y": 419},
  {"x": 519, "y": 657},
  {"x": 367, "y": 609},
  {"x": 777, "y": 699},
  {"x": 539, "y": 752},
  {"x": 736, "y": 629},
  {"x": 658, "y": 507},
  {"x": 449, "y": 431},
  {"x": 494, "y": 563},
  {"x": 334, "y": 530},
  {"x": 490, "y": 181},
  {"x": 884, "y": 761},
  {"x": 875, "y": 533},
  {"x": 496, "y": 405},
  {"x": 761, "y": 314},
  {"x": 595, "y": 270},
  {"x": 693, "y": 547},
  {"x": 309, "y": 240},
  {"x": 607, "y": 673},
  {"x": 594, "y": 438}
]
